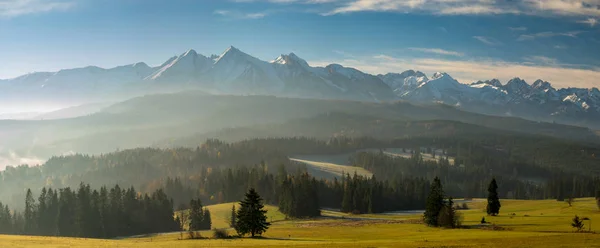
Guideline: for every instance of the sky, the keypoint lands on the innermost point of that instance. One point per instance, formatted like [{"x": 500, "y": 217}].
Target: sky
[{"x": 554, "y": 40}]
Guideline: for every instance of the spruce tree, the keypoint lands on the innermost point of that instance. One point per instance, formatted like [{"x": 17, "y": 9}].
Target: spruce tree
[
  {"x": 251, "y": 217},
  {"x": 232, "y": 219},
  {"x": 493, "y": 203},
  {"x": 30, "y": 215},
  {"x": 197, "y": 216},
  {"x": 206, "y": 219},
  {"x": 435, "y": 203}
]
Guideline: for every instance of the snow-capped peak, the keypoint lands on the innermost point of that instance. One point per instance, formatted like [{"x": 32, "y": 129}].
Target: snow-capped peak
[
  {"x": 494, "y": 82},
  {"x": 517, "y": 86},
  {"x": 542, "y": 85},
  {"x": 290, "y": 59},
  {"x": 186, "y": 63},
  {"x": 189, "y": 52},
  {"x": 233, "y": 53},
  {"x": 439, "y": 75}
]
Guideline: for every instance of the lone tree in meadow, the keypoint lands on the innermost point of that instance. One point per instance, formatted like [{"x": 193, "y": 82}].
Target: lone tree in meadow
[
  {"x": 493, "y": 202},
  {"x": 577, "y": 223},
  {"x": 251, "y": 217},
  {"x": 435, "y": 203}
]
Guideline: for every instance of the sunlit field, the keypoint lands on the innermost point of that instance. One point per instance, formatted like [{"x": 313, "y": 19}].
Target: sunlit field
[
  {"x": 326, "y": 166},
  {"x": 520, "y": 224}
]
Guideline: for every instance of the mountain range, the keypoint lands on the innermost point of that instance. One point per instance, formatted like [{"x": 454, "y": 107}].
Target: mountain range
[{"x": 235, "y": 72}]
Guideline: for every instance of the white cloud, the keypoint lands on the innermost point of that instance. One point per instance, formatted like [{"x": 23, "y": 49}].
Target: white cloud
[
  {"x": 572, "y": 34},
  {"x": 458, "y": 7},
  {"x": 488, "y": 40},
  {"x": 590, "y": 21},
  {"x": 437, "y": 51},
  {"x": 541, "y": 60},
  {"x": 13, "y": 8},
  {"x": 467, "y": 71},
  {"x": 234, "y": 14}
]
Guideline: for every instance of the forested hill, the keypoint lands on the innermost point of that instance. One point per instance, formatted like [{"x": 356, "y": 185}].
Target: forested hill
[
  {"x": 143, "y": 121},
  {"x": 523, "y": 163}
]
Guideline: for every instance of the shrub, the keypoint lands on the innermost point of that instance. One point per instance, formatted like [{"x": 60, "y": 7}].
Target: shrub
[
  {"x": 577, "y": 223},
  {"x": 194, "y": 235},
  {"x": 220, "y": 234},
  {"x": 449, "y": 218}
]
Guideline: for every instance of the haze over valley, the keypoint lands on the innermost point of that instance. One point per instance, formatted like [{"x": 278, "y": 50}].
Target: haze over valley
[{"x": 299, "y": 123}]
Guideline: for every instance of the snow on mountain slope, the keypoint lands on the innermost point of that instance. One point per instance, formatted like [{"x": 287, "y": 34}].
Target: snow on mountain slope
[
  {"x": 81, "y": 79},
  {"x": 360, "y": 85},
  {"x": 442, "y": 88},
  {"x": 493, "y": 83},
  {"x": 185, "y": 67},
  {"x": 402, "y": 83},
  {"x": 235, "y": 72},
  {"x": 301, "y": 79}
]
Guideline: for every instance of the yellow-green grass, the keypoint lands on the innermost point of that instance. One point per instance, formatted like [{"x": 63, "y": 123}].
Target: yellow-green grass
[
  {"x": 325, "y": 164},
  {"x": 221, "y": 214},
  {"x": 547, "y": 224}
]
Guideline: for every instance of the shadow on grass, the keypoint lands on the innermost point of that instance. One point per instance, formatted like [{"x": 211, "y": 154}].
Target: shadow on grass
[{"x": 278, "y": 239}]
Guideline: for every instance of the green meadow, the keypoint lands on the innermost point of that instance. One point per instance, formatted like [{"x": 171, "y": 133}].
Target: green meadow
[{"x": 521, "y": 223}]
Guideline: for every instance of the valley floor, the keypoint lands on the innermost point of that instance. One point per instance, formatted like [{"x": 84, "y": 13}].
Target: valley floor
[{"x": 521, "y": 224}]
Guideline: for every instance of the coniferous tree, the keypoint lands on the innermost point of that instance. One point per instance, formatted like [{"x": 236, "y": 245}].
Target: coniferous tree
[
  {"x": 232, "y": 218},
  {"x": 493, "y": 202},
  {"x": 197, "y": 216},
  {"x": 206, "y": 219},
  {"x": 251, "y": 217},
  {"x": 30, "y": 214},
  {"x": 435, "y": 203}
]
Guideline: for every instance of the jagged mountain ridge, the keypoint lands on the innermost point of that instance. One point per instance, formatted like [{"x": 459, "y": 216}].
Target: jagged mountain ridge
[
  {"x": 538, "y": 101},
  {"x": 235, "y": 72}
]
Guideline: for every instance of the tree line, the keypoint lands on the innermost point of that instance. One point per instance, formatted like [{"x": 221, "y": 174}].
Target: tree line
[
  {"x": 104, "y": 213},
  {"x": 530, "y": 167}
]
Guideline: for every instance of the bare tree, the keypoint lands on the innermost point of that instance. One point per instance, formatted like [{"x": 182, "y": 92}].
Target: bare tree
[{"x": 570, "y": 201}]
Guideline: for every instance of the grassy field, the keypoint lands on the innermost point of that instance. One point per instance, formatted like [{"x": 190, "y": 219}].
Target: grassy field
[
  {"x": 329, "y": 166},
  {"x": 523, "y": 223}
]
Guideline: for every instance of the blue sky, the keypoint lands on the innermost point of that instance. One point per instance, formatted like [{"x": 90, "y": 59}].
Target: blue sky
[{"x": 556, "y": 40}]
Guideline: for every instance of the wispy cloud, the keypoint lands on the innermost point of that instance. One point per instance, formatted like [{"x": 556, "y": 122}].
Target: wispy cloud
[
  {"x": 234, "y": 14},
  {"x": 437, "y": 51},
  {"x": 520, "y": 29},
  {"x": 457, "y": 7},
  {"x": 467, "y": 71},
  {"x": 572, "y": 34},
  {"x": 590, "y": 21},
  {"x": 13, "y": 8},
  {"x": 488, "y": 40},
  {"x": 540, "y": 60}
]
